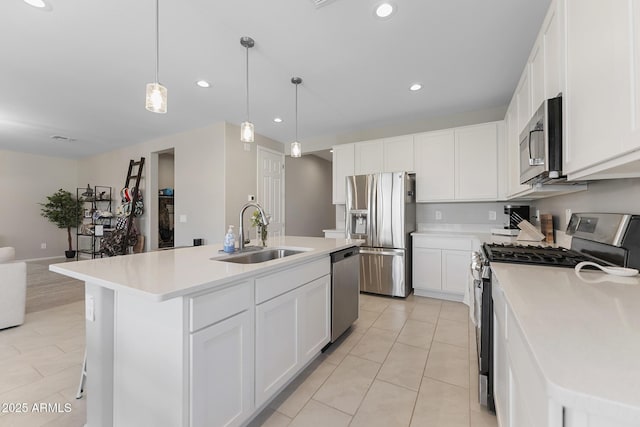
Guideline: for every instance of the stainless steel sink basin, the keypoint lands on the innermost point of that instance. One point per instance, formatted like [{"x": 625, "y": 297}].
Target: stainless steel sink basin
[{"x": 262, "y": 256}]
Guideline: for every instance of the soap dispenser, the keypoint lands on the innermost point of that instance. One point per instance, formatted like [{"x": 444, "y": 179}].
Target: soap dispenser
[{"x": 230, "y": 241}]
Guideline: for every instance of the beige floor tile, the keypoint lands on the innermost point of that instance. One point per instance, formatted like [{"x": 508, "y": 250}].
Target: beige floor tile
[
  {"x": 404, "y": 366},
  {"x": 391, "y": 320},
  {"x": 270, "y": 418},
  {"x": 452, "y": 332},
  {"x": 347, "y": 385},
  {"x": 36, "y": 417},
  {"x": 448, "y": 363},
  {"x": 339, "y": 349},
  {"x": 426, "y": 301},
  {"x": 365, "y": 320},
  {"x": 455, "y": 311},
  {"x": 483, "y": 418},
  {"x": 474, "y": 402},
  {"x": 385, "y": 405},
  {"x": 417, "y": 333},
  {"x": 296, "y": 395},
  {"x": 15, "y": 375},
  {"x": 440, "y": 404},
  {"x": 37, "y": 390},
  {"x": 317, "y": 414},
  {"x": 426, "y": 312},
  {"x": 375, "y": 345},
  {"x": 7, "y": 351},
  {"x": 373, "y": 303},
  {"x": 59, "y": 363},
  {"x": 401, "y": 305},
  {"x": 76, "y": 418}
]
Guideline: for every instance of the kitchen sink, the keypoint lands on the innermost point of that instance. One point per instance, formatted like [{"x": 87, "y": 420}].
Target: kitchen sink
[{"x": 261, "y": 256}]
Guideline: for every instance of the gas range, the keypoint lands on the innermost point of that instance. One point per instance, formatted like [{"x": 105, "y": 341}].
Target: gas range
[{"x": 536, "y": 255}]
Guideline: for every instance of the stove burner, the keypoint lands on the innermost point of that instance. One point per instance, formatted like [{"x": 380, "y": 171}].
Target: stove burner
[{"x": 538, "y": 255}]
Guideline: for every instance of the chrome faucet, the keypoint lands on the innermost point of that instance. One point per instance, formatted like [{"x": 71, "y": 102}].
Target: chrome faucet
[{"x": 265, "y": 221}]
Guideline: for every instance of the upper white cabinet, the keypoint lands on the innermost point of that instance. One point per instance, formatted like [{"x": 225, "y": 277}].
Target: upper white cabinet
[
  {"x": 512, "y": 143},
  {"x": 398, "y": 154},
  {"x": 369, "y": 157},
  {"x": 434, "y": 163},
  {"x": 603, "y": 89},
  {"x": 343, "y": 163},
  {"x": 476, "y": 162},
  {"x": 523, "y": 101}
]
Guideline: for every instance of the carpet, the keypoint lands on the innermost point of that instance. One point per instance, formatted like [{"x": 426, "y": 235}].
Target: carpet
[{"x": 46, "y": 289}]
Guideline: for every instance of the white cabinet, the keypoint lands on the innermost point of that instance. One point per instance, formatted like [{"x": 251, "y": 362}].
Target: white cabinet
[
  {"x": 513, "y": 152},
  {"x": 343, "y": 166},
  {"x": 435, "y": 166},
  {"x": 384, "y": 155},
  {"x": 315, "y": 320},
  {"x": 369, "y": 157},
  {"x": 441, "y": 265},
  {"x": 222, "y": 355},
  {"x": 523, "y": 101},
  {"x": 476, "y": 162},
  {"x": 334, "y": 234},
  {"x": 398, "y": 154},
  {"x": 603, "y": 89}
]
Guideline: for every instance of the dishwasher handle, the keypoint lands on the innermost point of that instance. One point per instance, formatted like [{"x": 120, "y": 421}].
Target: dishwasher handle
[{"x": 343, "y": 254}]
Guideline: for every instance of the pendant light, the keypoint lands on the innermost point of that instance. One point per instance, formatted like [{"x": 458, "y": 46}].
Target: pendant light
[
  {"x": 296, "y": 148},
  {"x": 156, "y": 100},
  {"x": 246, "y": 128}
]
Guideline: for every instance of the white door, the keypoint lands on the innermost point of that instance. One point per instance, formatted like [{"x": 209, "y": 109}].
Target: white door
[{"x": 271, "y": 188}]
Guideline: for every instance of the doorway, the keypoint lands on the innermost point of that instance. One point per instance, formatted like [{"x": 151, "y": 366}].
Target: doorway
[
  {"x": 271, "y": 188},
  {"x": 165, "y": 202}
]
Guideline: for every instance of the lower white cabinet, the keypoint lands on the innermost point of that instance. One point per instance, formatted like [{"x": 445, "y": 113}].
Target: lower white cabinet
[
  {"x": 222, "y": 357},
  {"x": 441, "y": 266},
  {"x": 290, "y": 330}
]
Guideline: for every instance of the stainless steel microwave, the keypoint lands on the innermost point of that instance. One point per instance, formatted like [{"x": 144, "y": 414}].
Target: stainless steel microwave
[{"x": 541, "y": 144}]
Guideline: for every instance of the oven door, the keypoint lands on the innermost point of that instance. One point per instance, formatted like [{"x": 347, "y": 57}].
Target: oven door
[{"x": 484, "y": 340}]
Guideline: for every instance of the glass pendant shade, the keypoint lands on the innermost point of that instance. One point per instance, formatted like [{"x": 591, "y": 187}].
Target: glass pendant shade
[
  {"x": 296, "y": 149},
  {"x": 156, "y": 98},
  {"x": 246, "y": 132}
]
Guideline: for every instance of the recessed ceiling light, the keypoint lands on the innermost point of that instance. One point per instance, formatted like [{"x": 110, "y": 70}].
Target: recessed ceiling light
[
  {"x": 331, "y": 151},
  {"x": 414, "y": 87},
  {"x": 203, "y": 83},
  {"x": 40, "y": 4},
  {"x": 385, "y": 10},
  {"x": 277, "y": 120}
]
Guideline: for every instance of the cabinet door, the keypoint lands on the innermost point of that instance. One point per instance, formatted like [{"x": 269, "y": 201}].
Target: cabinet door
[
  {"x": 603, "y": 59},
  {"x": 435, "y": 166},
  {"x": 368, "y": 157},
  {"x": 536, "y": 67},
  {"x": 476, "y": 162},
  {"x": 427, "y": 269},
  {"x": 553, "y": 37},
  {"x": 315, "y": 322},
  {"x": 500, "y": 367},
  {"x": 277, "y": 344},
  {"x": 343, "y": 166},
  {"x": 513, "y": 151},
  {"x": 398, "y": 154},
  {"x": 455, "y": 271},
  {"x": 523, "y": 101},
  {"x": 222, "y": 355}
]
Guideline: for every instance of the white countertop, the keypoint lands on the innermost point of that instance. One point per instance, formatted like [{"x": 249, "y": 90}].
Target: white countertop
[
  {"x": 167, "y": 274},
  {"x": 584, "y": 332}
]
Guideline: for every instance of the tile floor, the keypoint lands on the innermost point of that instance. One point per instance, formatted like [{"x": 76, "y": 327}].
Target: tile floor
[{"x": 405, "y": 362}]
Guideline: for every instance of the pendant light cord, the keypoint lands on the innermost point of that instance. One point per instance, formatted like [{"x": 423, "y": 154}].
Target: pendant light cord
[
  {"x": 296, "y": 112},
  {"x": 157, "y": 38},
  {"x": 247, "y": 50}
]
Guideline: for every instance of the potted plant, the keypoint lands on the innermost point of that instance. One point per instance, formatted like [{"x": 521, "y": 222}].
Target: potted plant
[
  {"x": 256, "y": 221},
  {"x": 64, "y": 211}
]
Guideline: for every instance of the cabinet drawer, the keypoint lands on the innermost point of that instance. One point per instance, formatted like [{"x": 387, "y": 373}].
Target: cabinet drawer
[
  {"x": 275, "y": 284},
  {"x": 215, "y": 306},
  {"x": 455, "y": 243}
]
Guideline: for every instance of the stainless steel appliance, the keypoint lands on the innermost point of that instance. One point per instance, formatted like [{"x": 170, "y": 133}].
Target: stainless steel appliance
[
  {"x": 541, "y": 144},
  {"x": 607, "y": 239},
  {"x": 381, "y": 209},
  {"x": 345, "y": 290}
]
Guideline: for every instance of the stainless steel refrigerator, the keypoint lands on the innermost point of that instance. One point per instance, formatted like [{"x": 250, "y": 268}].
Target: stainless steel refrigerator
[{"x": 381, "y": 209}]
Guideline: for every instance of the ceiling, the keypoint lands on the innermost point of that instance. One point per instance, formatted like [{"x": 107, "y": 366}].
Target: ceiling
[{"x": 80, "y": 68}]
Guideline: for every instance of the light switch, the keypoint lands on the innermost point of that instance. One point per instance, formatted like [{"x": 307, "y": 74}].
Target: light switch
[
  {"x": 89, "y": 308},
  {"x": 492, "y": 215},
  {"x": 183, "y": 218},
  {"x": 438, "y": 215}
]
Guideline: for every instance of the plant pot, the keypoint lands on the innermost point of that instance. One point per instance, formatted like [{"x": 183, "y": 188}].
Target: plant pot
[{"x": 70, "y": 254}]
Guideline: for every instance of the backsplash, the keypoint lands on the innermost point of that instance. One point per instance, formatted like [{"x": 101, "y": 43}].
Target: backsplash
[{"x": 461, "y": 213}]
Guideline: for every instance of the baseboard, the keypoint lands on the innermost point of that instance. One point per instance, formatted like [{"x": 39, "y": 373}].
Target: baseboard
[
  {"x": 41, "y": 259},
  {"x": 439, "y": 295}
]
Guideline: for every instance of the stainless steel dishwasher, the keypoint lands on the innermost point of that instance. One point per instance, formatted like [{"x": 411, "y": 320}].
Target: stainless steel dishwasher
[{"x": 345, "y": 290}]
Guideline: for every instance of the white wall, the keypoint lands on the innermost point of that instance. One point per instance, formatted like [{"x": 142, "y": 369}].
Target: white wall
[
  {"x": 308, "y": 208},
  {"x": 25, "y": 181},
  {"x": 461, "y": 213},
  {"x": 199, "y": 180}
]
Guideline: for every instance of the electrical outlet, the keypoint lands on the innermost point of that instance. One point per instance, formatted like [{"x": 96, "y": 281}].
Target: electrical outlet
[
  {"x": 492, "y": 215},
  {"x": 538, "y": 215},
  {"x": 567, "y": 215},
  {"x": 251, "y": 198},
  {"x": 43, "y": 246},
  {"x": 438, "y": 215},
  {"x": 183, "y": 218}
]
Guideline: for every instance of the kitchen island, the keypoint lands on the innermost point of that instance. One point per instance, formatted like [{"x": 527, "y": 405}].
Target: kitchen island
[
  {"x": 186, "y": 338},
  {"x": 566, "y": 347}
]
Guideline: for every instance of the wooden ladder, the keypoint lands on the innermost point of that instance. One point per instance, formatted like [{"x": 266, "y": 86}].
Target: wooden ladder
[{"x": 134, "y": 198}]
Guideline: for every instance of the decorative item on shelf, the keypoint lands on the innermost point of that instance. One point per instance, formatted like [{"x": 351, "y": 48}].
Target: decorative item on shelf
[
  {"x": 246, "y": 128},
  {"x": 156, "y": 96},
  {"x": 88, "y": 193},
  {"x": 296, "y": 147},
  {"x": 261, "y": 227},
  {"x": 64, "y": 211}
]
